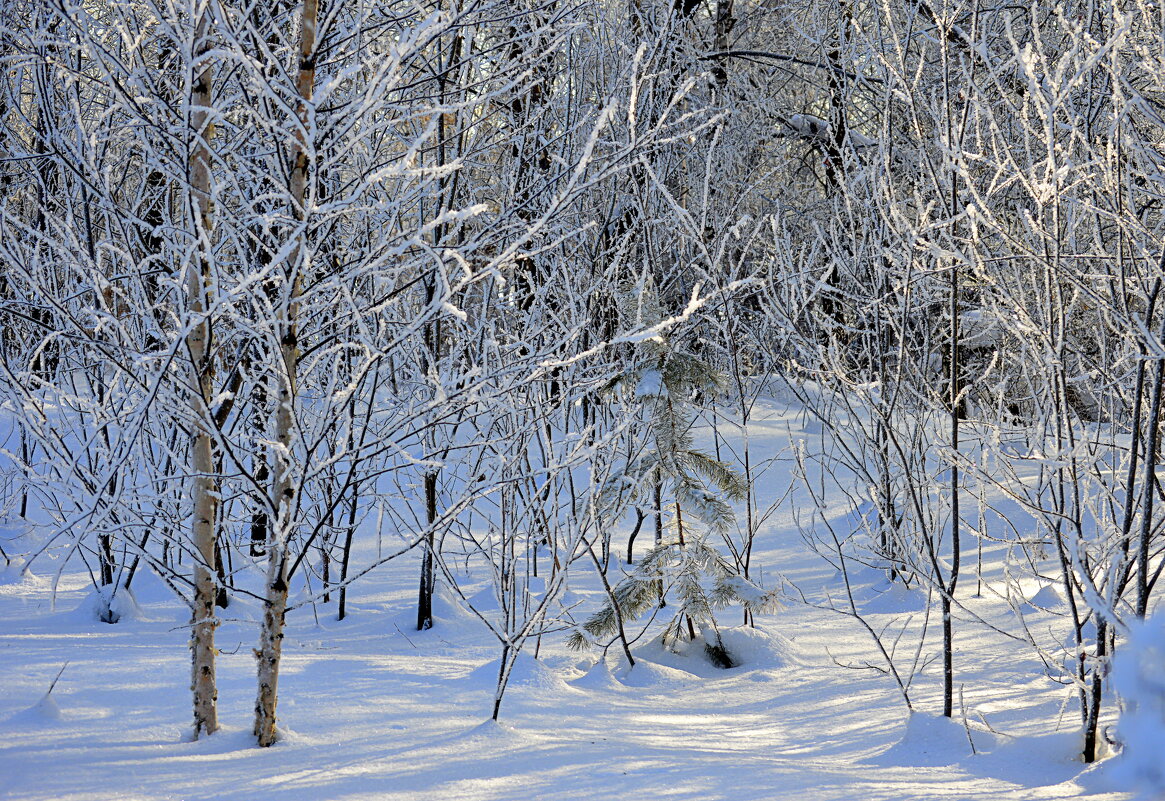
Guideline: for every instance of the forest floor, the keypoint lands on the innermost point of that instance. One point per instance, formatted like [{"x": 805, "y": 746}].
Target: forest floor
[{"x": 371, "y": 708}]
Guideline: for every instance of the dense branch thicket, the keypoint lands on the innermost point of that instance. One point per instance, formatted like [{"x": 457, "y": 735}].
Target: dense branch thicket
[{"x": 280, "y": 279}]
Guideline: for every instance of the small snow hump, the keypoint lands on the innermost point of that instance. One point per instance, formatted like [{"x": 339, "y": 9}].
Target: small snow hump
[
  {"x": 1049, "y": 596},
  {"x": 526, "y": 672},
  {"x": 43, "y": 711},
  {"x": 598, "y": 677},
  {"x": 110, "y": 604},
  {"x": 753, "y": 649},
  {"x": 933, "y": 741}
]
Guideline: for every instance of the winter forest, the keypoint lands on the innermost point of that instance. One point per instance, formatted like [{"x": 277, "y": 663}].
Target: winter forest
[{"x": 517, "y": 399}]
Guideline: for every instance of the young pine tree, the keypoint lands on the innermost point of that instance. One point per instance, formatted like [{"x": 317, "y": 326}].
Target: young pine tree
[{"x": 692, "y": 491}]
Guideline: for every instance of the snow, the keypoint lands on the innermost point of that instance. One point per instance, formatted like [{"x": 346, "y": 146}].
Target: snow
[
  {"x": 1049, "y": 596},
  {"x": 106, "y": 606},
  {"x": 651, "y": 385},
  {"x": 44, "y": 711},
  {"x": 372, "y": 709},
  {"x": 1139, "y": 674},
  {"x": 931, "y": 741}
]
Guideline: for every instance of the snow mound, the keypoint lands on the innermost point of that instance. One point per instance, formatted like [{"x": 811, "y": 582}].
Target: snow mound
[
  {"x": 599, "y": 677},
  {"x": 45, "y": 711},
  {"x": 109, "y": 604},
  {"x": 755, "y": 648},
  {"x": 18, "y": 575},
  {"x": 687, "y": 659},
  {"x": 484, "y": 600},
  {"x": 526, "y": 672},
  {"x": 748, "y": 648},
  {"x": 647, "y": 674},
  {"x": 452, "y": 619},
  {"x": 14, "y": 573},
  {"x": 1049, "y": 596},
  {"x": 929, "y": 741},
  {"x": 874, "y": 592},
  {"x": 1051, "y": 758},
  {"x": 492, "y": 732},
  {"x": 894, "y": 598},
  {"x": 448, "y": 606}
]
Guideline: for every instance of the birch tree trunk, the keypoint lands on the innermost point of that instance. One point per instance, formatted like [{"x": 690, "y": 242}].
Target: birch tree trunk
[
  {"x": 284, "y": 489},
  {"x": 198, "y": 343}
]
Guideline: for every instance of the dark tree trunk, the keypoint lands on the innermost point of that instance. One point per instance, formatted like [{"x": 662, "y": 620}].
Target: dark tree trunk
[
  {"x": 425, "y": 595},
  {"x": 346, "y": 553},
  {"x": 640, "y": 516}
]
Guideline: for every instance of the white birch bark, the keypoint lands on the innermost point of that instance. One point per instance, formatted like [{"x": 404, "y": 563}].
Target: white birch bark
[
  {"x": 205, "y": 489},
  {"x": 283, "y": 484}
]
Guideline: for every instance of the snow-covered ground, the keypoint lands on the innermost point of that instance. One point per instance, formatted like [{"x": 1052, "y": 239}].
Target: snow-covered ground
[{"x": 372, "y": 708}]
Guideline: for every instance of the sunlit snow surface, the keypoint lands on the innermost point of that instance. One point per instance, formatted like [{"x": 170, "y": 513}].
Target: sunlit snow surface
[{"x": 373, "y": 709}]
